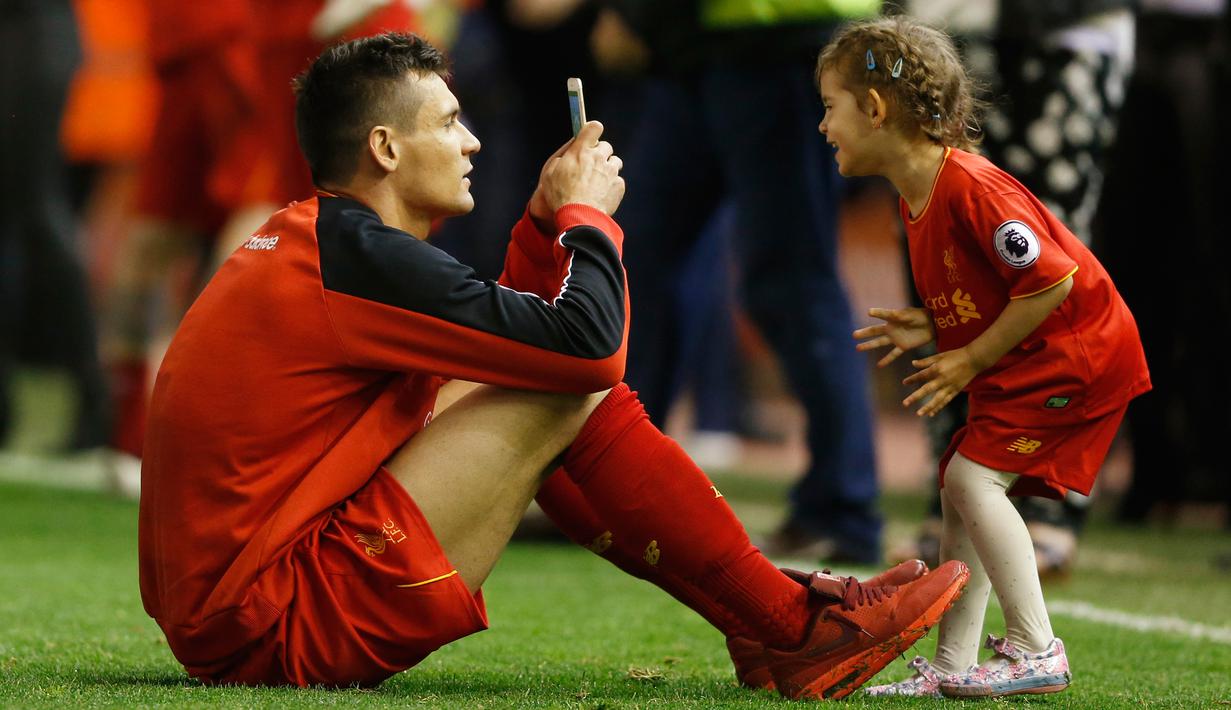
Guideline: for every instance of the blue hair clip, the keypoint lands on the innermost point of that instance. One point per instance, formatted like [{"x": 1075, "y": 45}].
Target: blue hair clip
[
  {"x": 897, "y": 69},
  {"x": 871, "y": 61},
  {"x": 936, "y": 117}
]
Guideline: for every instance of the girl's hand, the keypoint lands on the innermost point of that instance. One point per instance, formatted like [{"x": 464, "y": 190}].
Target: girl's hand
[
  {"x": 904, "y": 329},
  {"x": 945, "y": 374}
]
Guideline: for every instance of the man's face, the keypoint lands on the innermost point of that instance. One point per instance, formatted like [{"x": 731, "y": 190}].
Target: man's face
[{"x": 435, "y": 153}]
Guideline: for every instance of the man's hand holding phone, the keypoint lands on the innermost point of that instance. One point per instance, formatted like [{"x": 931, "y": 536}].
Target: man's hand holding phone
[{"x": 585, "y": 171}]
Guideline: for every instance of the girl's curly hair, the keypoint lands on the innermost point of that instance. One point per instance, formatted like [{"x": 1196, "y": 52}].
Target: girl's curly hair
[{"x": 916, "y": 68}]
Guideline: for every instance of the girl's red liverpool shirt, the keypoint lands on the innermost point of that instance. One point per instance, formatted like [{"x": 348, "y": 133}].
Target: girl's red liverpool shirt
[
  {"x": 311, "y": 357},
  {"x": 982, "y": 240}
]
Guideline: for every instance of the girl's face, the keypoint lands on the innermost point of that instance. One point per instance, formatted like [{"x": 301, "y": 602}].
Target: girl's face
[{"x": 847, "y": 127}]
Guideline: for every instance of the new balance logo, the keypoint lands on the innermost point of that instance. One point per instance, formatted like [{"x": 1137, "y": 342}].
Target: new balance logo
[
  {"x": 1022, "y": 445},
  {"x": 652, "y": 553},
  {"x": 260, "y": 243},
  {"x": 600, "y": 544}
]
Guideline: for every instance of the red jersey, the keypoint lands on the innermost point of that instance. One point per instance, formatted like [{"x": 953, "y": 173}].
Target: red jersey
[
  {"x": 982, "y": 240},
  {"x": 312, "y": 356}
]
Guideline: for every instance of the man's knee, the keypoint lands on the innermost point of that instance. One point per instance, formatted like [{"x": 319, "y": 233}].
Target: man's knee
[
  {"x": 565, "y": 410},
  {"x": 572, "y": 405},
  {"x": 527, "y": 419},
  {"x": 574, "y": 411}
]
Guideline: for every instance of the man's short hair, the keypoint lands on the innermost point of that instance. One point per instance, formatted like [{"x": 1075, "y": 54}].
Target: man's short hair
[{"x": 351, "y": 87}]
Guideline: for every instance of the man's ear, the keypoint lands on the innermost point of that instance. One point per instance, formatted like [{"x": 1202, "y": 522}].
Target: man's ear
[
  {"x": 876, "y": 108},
  {"x": 382, "y": 148}
]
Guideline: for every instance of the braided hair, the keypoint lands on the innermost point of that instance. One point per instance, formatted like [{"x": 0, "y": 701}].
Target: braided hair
[{"x": 916, "y": 68}]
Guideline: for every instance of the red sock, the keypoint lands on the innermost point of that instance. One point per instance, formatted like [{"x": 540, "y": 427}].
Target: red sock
[
  {"x": 130, "y": 398},
  {"x": 646, "y": 490},
  {"x": 564, "y": 503}
]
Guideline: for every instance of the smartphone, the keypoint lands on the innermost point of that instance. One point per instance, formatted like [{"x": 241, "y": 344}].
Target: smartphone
[{"x": 576, "y": 104}]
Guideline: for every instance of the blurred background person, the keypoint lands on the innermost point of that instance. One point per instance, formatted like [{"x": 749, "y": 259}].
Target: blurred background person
[
  {"x": 511, "y": 60},
  {"x": 45, "y": 310},
  {"x": 729, "y": 114},
  {"x": 107, "y": 123},
  {"x": 1162, "y": 238},
  {"x": 223, "y": 156},
  {"x": 1060, "y": 78},
  {"x": 288, "y": 34},
  {"x": 204, "y": 58}
]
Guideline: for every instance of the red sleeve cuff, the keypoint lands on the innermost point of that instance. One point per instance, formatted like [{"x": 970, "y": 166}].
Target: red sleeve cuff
[
  {"x": 536, "y": 245},
  {"x": 575, "y": 215}
]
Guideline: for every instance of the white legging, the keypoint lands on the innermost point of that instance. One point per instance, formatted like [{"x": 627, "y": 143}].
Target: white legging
[{"x": 984, "y": 530}]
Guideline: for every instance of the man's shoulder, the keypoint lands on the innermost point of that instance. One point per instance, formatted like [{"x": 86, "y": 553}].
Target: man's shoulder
[
  {"x": 361, "y": 256},
  {"x": 344, "y": 220},
  {"x": 345, "y": 211}
]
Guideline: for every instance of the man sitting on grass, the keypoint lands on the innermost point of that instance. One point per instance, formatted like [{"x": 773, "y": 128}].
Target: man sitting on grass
[{"x": 301, "y": 522}]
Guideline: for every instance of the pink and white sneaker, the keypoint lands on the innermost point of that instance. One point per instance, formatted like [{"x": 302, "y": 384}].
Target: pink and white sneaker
[
  {"x": 1012, "y": 671},
  {"x": 925, "y": 683}
]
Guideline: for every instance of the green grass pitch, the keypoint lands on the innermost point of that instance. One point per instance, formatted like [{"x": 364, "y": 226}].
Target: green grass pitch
[{"x": 568, "y": 630}]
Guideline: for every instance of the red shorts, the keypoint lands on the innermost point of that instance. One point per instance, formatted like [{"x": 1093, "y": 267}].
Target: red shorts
[
  {"x": 1049, "y": 460},
  {"x": 195, "y": 168},
  {"x": 373, "y": 595}
]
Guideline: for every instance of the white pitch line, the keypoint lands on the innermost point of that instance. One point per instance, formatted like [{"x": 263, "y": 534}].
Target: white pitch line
[{"x": 1138, "y": 622}]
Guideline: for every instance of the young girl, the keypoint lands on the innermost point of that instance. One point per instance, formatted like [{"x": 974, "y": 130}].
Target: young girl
[{"x": 1026, "y": 321}]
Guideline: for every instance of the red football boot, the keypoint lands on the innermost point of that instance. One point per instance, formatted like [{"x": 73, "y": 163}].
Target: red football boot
[
  {"x": 751, "y": 668},
  {"x": 748, "y": 656},
  {"x": 860, "y": 629}
]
